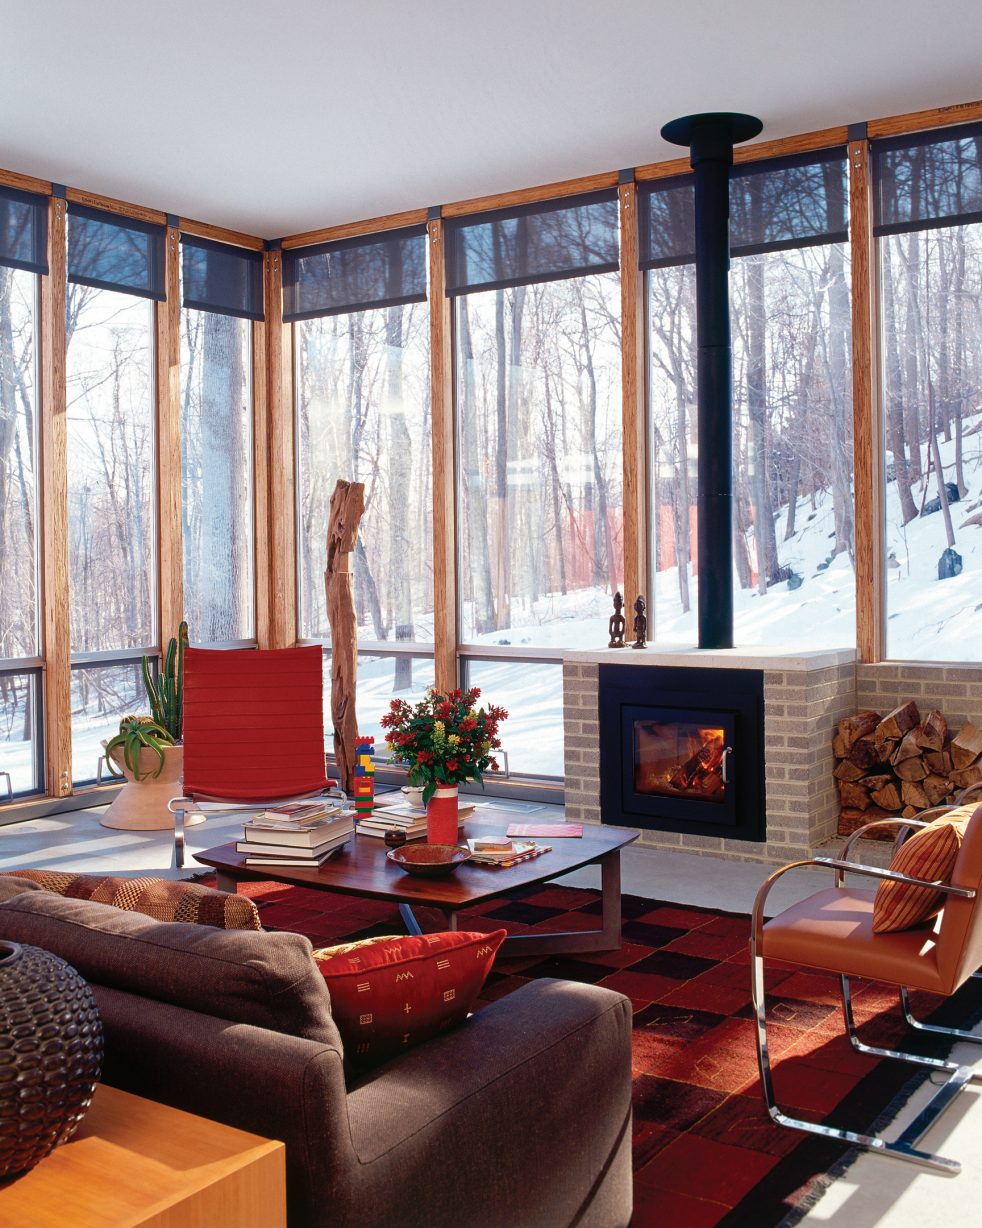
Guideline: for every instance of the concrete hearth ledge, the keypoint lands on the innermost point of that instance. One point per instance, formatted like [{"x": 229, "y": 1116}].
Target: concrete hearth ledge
[{"x": 775, "y": 658}]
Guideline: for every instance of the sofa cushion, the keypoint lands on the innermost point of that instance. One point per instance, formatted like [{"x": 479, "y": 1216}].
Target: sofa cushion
[
  {"x": 164, "y": 899},
  {"x": 929, "y": 854},
  {"x": 268, "y": 980},
  {"x": 13, "y": 884},
  {"x": 392, "y": 992}
]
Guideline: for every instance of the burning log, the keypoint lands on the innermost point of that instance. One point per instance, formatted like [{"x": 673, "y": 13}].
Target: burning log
[{"x": 702, "y": 771}]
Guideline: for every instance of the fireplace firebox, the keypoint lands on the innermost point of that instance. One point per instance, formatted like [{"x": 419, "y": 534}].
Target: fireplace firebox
[{"x": 682, "y": 750}]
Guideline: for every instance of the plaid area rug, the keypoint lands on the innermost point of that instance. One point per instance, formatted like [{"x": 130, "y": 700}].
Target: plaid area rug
[{"x": 705, "y": 1152}]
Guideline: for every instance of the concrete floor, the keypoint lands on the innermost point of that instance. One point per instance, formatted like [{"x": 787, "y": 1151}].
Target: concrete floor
[{"x": 875, "y": 1191}]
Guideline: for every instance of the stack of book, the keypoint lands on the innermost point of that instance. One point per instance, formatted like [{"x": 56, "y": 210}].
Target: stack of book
[
  {"x": 295, "y": 834},
  {"x": 500, "y": 851},
  {"x": 408, "y": 819}
]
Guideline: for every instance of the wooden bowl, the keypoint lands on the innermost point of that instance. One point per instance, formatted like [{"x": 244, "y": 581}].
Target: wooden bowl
[{"x": 428, "y": 860}]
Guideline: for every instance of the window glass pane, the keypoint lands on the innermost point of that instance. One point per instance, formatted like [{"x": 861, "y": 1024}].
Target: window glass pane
[
  {"x": 216, "y": 472},
  {"x": 363, "y": 414},
  {"x": 532, "y": 695},
  {"x": 18, "y": 465},
  {"x": 541, "y": 504},
  {"x": 794, "y": 575},
  {"x": 111, "y": 517},
  {"x": 101, "y": 694},
  {"x": 931, "y": 349},
  {"x": 20, "y": 745},
  {"x": 380, "y": 680},
  {"x": 673, "y": 412}
]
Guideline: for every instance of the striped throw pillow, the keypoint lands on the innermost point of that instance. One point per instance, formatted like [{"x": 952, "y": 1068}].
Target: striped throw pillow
[
  {"x": 160, "y": 898},
  {"x": 929, "y": 854}
]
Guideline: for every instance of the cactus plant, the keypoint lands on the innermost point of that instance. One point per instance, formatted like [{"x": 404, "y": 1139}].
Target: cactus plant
[
  {"x": 166, "y": 693},
  {"x": 135, "y": 733}
]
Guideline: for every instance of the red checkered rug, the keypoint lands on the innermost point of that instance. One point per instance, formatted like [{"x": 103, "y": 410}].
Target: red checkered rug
[{"x": 705, "y": 1152}]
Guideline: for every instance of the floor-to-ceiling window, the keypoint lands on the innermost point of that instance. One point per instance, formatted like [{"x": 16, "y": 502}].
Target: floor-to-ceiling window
[
  {"x": 115, "y": 272},
  {"x": 539, "y": 454},
  {"x": 23, "y": 236},
  {"x": 928, "y": 219},
  {"x": 222, "y": 293},
  {"x": 363, "y": 414},
  {"x": 793, "y": 542}
]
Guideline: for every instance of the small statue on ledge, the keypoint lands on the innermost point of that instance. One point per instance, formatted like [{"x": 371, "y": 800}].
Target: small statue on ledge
[
  {"x": 617, "y": 623},
  {"x": 640, "y": 624}
]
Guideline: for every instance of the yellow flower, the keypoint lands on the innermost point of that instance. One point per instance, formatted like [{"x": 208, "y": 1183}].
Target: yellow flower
[{"x": 454, "y": 740}]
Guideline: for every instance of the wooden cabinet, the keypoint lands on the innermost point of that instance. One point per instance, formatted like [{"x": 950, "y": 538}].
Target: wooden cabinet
[{"x": 135, "y": 1162}]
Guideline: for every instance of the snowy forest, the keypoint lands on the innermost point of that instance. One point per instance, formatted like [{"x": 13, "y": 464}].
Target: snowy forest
[{"x": 539, "y": 465}]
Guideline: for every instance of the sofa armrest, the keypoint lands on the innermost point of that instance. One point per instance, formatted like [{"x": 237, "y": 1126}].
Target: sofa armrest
[
  {"x": 521, "y": 1115},
  {"x": 278, "y": 1086}
]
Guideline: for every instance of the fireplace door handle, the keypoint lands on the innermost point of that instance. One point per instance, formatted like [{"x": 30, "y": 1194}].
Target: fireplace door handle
[{"x": 727, "y": 751}]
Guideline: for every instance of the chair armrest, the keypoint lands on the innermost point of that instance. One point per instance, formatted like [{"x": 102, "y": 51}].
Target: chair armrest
[
  {"x": 526, "y": 1107},
  {"x": 902, "y": 824}
]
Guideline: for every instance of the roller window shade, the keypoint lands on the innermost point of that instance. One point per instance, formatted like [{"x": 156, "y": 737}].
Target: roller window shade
[
  {"x": 221, "y": 278},
  {"x": 550, "y": 241},
  {"x": 926, "y": 181},
  {"x": 23, "y": 230},
  {"x": 381, "y": 270},
  {"x": 115, "y": 253},
  {"x": 774, "y": 206}
]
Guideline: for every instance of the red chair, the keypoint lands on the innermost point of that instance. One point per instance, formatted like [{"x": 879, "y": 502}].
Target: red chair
[{"x": 253, "y": 730}]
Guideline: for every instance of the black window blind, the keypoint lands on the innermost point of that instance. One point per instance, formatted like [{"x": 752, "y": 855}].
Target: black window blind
[
  {"x": 928, "y": 180},
  {"x": 774, "y": 206},
  {"x": 111, "y": 252},
  {"x": 380, "y": 270},
  {"x": 222, "y": 278},
  {"x": 547, "y": 241},
  {"x": 23, "y": 230}
]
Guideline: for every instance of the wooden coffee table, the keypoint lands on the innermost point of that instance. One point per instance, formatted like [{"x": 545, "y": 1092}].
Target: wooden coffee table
[{"x": 361, "y": 869}]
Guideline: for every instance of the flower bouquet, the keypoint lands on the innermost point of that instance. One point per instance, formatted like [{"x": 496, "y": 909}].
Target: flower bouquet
[{"x": 443, "y": 739}]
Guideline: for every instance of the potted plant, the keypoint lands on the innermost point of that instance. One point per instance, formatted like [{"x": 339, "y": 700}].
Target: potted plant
[
  {"x": 147, "y": 750},
  {"x": 443, "y": 740}
]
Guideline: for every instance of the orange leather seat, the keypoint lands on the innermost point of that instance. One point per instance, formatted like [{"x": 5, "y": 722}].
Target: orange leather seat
[{"x": 833, "y": 930}]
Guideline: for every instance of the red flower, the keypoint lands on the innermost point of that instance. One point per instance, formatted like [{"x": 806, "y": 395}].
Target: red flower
[{"x": 452, "y": 765}]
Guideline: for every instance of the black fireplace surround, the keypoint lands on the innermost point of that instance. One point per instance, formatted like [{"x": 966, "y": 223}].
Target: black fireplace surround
[{"x": 682, "y": 750}]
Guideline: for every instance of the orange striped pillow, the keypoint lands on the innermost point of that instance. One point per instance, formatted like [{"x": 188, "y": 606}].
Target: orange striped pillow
[{"x": 929, "y": 854}]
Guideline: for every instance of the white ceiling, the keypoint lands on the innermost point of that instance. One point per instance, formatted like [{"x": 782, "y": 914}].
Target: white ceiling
[{"x": 278, "y": 117}]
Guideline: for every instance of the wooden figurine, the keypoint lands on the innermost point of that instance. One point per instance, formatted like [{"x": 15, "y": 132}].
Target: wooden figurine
[
  {"x": 347, "y": 505},
  {"x": 617, "y": 623},
  {"x": 640, "y": 624}
]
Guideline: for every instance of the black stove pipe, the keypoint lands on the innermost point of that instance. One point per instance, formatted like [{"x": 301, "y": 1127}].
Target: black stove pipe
[{"x": 710, "y": 138}]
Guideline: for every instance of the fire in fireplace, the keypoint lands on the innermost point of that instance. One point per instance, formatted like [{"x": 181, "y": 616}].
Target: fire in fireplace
[
  {"x": 682, "y": 750},
  {"x": 680, "y": 759}
]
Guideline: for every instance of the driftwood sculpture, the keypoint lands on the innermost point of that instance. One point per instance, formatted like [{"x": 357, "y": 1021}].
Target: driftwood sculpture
[{"x": 347, "y": 505}]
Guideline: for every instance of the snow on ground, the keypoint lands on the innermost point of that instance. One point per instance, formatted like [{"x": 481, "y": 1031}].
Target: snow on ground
[{"x": 927, "y": 619}]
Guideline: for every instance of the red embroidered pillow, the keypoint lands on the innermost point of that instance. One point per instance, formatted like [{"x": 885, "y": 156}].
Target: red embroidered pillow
[{"x": 392, "y": 992}]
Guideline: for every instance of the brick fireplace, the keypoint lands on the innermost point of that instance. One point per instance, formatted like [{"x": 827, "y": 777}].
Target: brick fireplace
[{"x": 805, "y": 695}]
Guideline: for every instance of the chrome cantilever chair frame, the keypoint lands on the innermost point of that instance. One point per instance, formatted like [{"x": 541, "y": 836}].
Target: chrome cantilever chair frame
[{"x": 904, "y": 1147}]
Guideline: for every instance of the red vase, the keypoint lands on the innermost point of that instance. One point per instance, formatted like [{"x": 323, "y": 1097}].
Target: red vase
[{"x": 441, "y": 816}]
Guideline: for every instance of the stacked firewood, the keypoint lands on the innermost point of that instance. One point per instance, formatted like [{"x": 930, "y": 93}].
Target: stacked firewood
[{"x": 900, "y": 764}]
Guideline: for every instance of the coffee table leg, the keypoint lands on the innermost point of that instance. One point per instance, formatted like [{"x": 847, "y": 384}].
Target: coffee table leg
[
  {"x": 610, "y": 894},
  {"x": 225, "y": 882},
  {"x": 413, "y": 926}
]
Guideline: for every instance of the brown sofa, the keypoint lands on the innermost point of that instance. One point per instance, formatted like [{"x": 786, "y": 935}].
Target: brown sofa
[{"x": 520, "y": 1117}]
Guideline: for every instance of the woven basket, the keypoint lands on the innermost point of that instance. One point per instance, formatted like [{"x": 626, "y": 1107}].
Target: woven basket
[{"x": 50, "y": 1054}]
